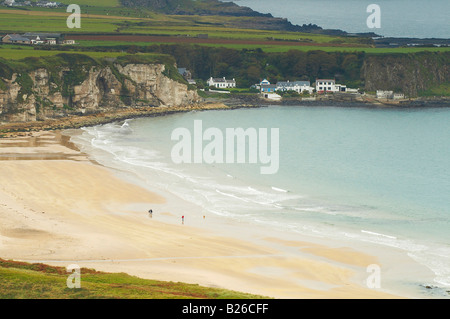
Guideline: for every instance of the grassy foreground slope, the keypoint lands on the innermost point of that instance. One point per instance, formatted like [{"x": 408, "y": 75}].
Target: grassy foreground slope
[{"x": 20, "y": 280}]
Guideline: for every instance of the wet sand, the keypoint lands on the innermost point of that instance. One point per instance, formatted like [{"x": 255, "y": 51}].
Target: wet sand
[{"x": 60, "y": 208}]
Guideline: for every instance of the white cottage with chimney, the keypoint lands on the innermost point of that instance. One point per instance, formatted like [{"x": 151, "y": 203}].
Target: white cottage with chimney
[{"x": 221, "y": 83}]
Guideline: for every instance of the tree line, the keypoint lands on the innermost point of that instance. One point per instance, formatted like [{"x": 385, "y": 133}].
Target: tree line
[{"x": 250, "y": 66}]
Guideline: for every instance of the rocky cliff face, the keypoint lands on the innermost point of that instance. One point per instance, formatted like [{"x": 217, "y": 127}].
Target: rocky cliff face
[
  {"x": 407, "y": 73},
  {"x": 41, "y": 94}
]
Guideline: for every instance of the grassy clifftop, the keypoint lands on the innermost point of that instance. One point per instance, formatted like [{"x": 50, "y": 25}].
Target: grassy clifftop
[
  {"x": 20, "y": 280},
  {"x": 79, "y": 63}
]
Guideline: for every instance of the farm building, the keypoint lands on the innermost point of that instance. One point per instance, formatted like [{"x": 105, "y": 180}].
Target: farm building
[
  {"x": 15, "y": 38},
  {"x": 45, "y": 38}
]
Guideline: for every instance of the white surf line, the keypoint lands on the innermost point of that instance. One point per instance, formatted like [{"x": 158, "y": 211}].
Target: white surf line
[
  {"x": 148, "y": 259},
  {"x": 377, "y": 234},
  {"x": 280, "y": 190}
]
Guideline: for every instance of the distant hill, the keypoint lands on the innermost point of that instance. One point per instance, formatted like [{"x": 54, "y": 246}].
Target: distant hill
[
  {"x": 250, "y": 18},
  {"x": 197, "y": 7}
]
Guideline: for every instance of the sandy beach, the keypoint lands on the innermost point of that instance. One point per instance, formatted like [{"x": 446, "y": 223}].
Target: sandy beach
[{"x": 60, "y": 208}]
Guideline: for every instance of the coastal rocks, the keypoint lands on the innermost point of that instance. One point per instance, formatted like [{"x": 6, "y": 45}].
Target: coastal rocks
[
  {"x": 435, "y": 291},
  {"x": 41, "y": 94}
]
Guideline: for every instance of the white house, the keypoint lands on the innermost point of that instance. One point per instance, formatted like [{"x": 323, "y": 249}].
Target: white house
[
  {"x": 340, "y": 88},
  {"x": 328, "y": 85},
  {"x": 297, "y": 86},
  {"x": 259, "y": 85},
  {"x": 221, "y": 83},
  {"x": 37, "y": 40},
  {"x": 389, "y": 95},
  {"x": 272, "y": 96},
  {"x": 385, "y": 94},
  {"x": 399, "y": 96},
  {"x": 352, "y": 91},
  {"x": 325, "y": 85}
]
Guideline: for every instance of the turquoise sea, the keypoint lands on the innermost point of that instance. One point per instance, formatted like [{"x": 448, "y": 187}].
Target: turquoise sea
[
  {"x": 362, "y": 175},
  {"x": 399, "y": 18}
]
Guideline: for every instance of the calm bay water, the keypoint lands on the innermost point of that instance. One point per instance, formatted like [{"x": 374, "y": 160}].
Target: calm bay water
[
  {"x": 399, "y": 18},
  {"x": 366, "y": 175}
]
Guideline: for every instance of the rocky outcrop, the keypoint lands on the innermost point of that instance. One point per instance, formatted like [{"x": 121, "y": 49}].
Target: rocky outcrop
[
  {"x": 407, "y": 73},
  {"x": 42, "y": 94},
  {"x": 146, "y": 84}
]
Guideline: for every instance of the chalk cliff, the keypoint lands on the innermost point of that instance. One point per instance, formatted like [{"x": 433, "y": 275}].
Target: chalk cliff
[{"x": 87, "y": 87}]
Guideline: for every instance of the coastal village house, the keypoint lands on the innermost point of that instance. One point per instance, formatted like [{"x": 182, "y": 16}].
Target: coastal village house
[
  {"x": 284, "y": 86},
  {"x": 389, "y": 95},
  {"x": 268, "y": 88},
  {"x": 297, "y": 86},
  {"x": 321, "y": 86},
  {"x": 258, "y": 85},
  {"x": 325, "y": 85},
  {"x": 269, "y": 91},
  {"x": 187, "y": 75},
  {"x": 385, "y": 94},
  {"x": 328, "y": 85},
  {"x": 221, "y": 83},
  {"x": 265, "y": 87}
]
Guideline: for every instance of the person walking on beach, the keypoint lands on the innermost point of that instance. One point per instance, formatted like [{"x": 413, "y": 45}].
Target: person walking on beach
[
  {"x": 182, "y": 219},
  {"x": 151, "y": 213}
]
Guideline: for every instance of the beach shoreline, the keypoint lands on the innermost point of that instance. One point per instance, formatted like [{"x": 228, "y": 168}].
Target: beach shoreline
[
  {"x": 76, "y": 121},
  {"x": 80, "y": 212}
]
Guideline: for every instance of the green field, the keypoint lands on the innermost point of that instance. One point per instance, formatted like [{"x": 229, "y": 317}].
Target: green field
[
  {"x": 18, "y": 53},
  {"x": 107, "y": 17},
  {"x": 20, "y": 23},
  {"x": 13, "y": 52},
  {"x": 270, "y": 48},
  {"x": 37, "y": 281},
  {"x": 54, "y": 21},
  {"x": 98, "y": 3}
]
